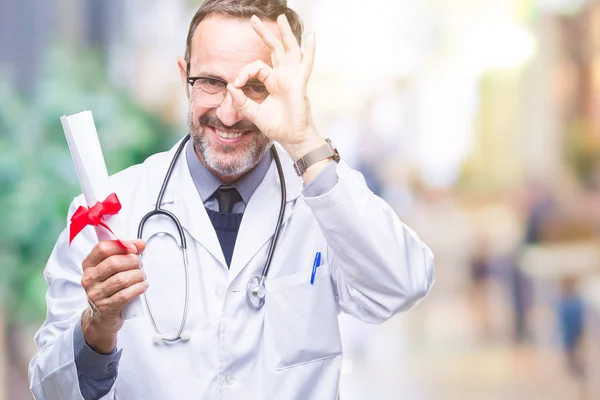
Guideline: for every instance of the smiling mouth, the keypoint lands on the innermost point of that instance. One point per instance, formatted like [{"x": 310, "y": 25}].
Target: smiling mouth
[{"x": 228, "y": 135}]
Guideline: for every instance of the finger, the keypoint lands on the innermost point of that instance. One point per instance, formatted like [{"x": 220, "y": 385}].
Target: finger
[
  {"x": 245, "y": 106},
  {"x": 278, "y": 51},
  {"x": 289, "y": 40},
  {"x": 116, "y": 303},
  {"x": 116, "y": 283},
  {"x": 105, "y": 249},
  {"x": 258, "y": 69},
  {"x": 139, "y": 244},
  {"x": 111, "y": 266},
  {"x": 308, "y": 58}
]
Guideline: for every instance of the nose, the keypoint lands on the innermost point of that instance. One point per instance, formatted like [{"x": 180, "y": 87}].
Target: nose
[{"x": 227, "y": 113}]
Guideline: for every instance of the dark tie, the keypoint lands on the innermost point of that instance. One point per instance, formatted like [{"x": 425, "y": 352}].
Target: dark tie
[{"x": 227, "y": 197}]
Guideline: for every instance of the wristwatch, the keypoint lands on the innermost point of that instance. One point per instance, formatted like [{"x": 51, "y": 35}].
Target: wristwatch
[{"x": 326, "y": 151}]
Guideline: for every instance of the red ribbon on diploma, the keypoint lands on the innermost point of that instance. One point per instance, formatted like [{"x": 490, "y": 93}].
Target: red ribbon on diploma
[{"x": 93, "y": 216}]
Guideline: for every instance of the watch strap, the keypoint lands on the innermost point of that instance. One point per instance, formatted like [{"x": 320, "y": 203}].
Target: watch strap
[{"x": 321, "y": 153}]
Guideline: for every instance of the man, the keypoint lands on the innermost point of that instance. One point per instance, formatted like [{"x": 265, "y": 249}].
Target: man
[{"x": 246, "y": 77}]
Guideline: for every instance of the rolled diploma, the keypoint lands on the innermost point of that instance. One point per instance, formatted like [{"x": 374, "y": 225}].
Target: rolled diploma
[{"x": 86, "y": 152}]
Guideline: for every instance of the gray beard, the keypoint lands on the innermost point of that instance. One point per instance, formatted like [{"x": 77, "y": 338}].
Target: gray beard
[{"x": 244, "y": 162}]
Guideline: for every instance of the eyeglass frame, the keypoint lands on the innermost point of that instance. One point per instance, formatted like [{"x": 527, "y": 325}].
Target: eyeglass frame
[{"x": 191, "y": 80}]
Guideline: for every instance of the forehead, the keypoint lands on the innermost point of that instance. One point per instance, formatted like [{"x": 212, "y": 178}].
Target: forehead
[{"x": 222, "y": 45}]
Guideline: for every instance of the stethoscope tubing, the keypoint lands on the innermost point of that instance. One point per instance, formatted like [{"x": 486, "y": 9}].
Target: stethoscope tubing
[{"x": 256, "y": 285}]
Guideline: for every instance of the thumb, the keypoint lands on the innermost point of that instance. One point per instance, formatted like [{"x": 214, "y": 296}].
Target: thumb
[
  {"x": 139, "y": 245},
  {"x": 248, "y": 108}
]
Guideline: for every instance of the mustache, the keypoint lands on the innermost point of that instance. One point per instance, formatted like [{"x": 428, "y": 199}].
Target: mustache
[{"x": 214, "y": 122}]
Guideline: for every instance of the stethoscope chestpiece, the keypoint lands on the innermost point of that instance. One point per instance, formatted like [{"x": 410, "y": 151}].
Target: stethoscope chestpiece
[{"x": 255, "y": 292}]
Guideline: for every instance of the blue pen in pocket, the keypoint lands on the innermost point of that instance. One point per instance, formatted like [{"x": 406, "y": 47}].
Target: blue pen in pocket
[{"x": 316, "y": 265}]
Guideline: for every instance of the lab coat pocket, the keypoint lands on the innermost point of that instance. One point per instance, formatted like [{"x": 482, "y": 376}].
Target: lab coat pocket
[{"x": 302, "y": 319}]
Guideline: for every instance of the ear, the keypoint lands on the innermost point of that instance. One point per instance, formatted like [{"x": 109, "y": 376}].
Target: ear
[{"x": 182, "y": 65}]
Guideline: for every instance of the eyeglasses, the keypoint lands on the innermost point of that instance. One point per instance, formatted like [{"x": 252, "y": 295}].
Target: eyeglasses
[{"x": 210, "y": 92}]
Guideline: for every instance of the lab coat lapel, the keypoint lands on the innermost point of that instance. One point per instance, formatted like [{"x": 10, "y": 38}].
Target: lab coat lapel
[
  {"x": 183, "y": 200},
  {"x": 260, "y": 217}
]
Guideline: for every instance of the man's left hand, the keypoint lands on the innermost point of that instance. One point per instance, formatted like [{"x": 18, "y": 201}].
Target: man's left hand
[{"x": 284, "y": 116}]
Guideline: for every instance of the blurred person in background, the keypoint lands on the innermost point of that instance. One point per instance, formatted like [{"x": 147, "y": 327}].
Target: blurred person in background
[
  {"x": 480, "y": 287},
  {"x": 246, "y": 77},
  {"x": 570, "y": 319},
  {"x": 539, "y": 209}
]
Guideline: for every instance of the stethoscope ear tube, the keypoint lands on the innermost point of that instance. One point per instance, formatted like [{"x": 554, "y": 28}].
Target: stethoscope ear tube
[
  {"x": 279, "y": 218},
  {"x": 180, "y": 335},
  {"x": 255, "y": 289}
]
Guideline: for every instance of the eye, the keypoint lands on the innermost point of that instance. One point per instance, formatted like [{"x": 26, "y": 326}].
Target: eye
[
  {"x": 210, "y": 85},
  {"x": 256, "y": 90}
]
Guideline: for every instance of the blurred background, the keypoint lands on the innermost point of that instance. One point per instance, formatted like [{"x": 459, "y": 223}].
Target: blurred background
[{"x": 478, "y": 121}]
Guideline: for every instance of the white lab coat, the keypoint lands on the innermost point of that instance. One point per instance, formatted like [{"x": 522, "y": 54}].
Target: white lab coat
[{"x": 372, "y": 267}]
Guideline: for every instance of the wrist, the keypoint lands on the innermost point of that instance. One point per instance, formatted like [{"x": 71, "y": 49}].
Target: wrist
[
  {"x": 100, "y": 333},
  {"x": 310, "y": 142},
  {"x": 314, "y": 170}
]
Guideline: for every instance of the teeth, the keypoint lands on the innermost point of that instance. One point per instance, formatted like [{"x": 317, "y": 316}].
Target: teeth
[{"x": 226, "y": 135}]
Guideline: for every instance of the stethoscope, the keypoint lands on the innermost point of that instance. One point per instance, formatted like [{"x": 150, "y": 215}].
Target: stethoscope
[{"x": 255, "y": 289}]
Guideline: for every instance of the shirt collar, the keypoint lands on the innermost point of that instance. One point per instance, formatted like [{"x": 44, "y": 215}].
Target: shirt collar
[{"x": 207, "y": 183}]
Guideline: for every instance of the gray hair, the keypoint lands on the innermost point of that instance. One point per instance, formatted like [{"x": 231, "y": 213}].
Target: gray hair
[{"x": 242, "y": 9}]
